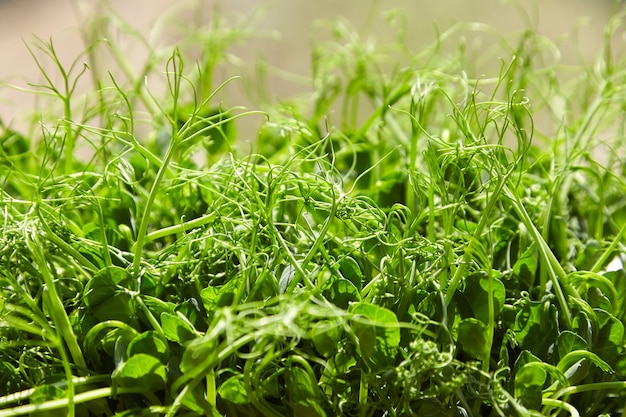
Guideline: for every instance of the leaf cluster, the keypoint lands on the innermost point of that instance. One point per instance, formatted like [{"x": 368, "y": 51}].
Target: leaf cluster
[{"x": 435, "y": 251}]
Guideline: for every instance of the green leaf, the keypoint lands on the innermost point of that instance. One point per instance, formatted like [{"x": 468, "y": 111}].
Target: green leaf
[
  {"x": 536, "y": 327},
  {"x": 45, "y": 393},
  {"x": 341, "y": 293},
  {"x": 118, "y": 307},
  {"x": 303, "y": 393},
  {"x": 176, "y": 329},
  {"x": 158, "y": 306},
  {"x": 108, "y": 299},
  {"x": 190, "y": 309},
  {"x": 473, "y": 336},
  {"x": 209, "y": 296},
  {"x": 578, "y": 355},
  {"x": 477, "y": 294},
  {"x": 608, "y": 341},
  {"x": 213, "y": 297},
  {"x": 150, "y": 343},
  {"x": 198, "y": 356},
  {"x": 524, "y": 357},
  {"x": 531, "y": 374},
  {"x": 350, "y": 270},
  {"x": 568, "y": 341},
  {"x": 234, "y": 390},
  {"x": 529, "y": 381},
  {"x": 105, "y": 339},
  {"x": 596, "y": 299},
  {"x": 104, "y": 285},
  {"x": 600, "y": 291},
  {"x": 526, "y": 265},
  {"x": 326, "y": 337},
  {"x": 377, "y": 331},
  {"x": 142, "y": 372}
]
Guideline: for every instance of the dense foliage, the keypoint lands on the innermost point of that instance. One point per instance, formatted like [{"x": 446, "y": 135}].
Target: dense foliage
[{"x": 404, "y": 242}]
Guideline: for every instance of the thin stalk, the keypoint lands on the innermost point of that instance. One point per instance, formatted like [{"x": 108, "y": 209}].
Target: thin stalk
[
  {"x": 51, "y": 405},
  {"x": 143, "y": 226},
  {"x": 71, "y": 391},
  {"x": 549, "y": 402},
  {"x": 316, "y": 244},
  {"x": 459, "y": 273},
  {"x": 557, "y": 274},
  {"x": 251, "y": 384},
  {"x": 211, "y": 389},
  {"x": 55, "y": 305},
  {"x": 174, "y": 84},
  {"x": 597, "y": 386},
  {"x": 597, "y": 266},
  {"x": 78, "y": 381},
  {"x": 153, "y": 321},
  {"x": 206, "y": 367},
  {"x": 127, "y": 69},
  {"x": 178, "y": 228},
  {"x": 63, "y": 245},
  {"x": 106, "y": 254},
  {"x": 363, "y": 394},
  {"x": 491, "y": 323}
]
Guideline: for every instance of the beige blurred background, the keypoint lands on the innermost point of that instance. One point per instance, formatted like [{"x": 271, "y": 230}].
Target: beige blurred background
[{"x": 575, "y": 25}]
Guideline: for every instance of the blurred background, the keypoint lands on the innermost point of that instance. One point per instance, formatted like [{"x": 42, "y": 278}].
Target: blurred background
[{"x": 285, "y": 31}]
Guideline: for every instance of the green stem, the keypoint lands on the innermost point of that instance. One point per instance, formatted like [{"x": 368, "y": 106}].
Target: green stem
[
  {"x": 211, "y": 390},
  {"x": 314, "y": 248},
  {"x": 206, "y": 367},
  {"x": 127, "y": 69},
  {"x": 63, "y": 245},
  {"x": 153, "y": 321},
  {"x": 609, "y": 251},
  {"x": 557, "y": 274},
  {"x": 55, "y": 305},
  {"x": 459, "y": 273},
  {"x": 490, "y": 325},
  {"x": 143, "y": 226},
  {"x": 106, "y": 254},
  {"x": 22, "y": 396},
  {"x": 562, "y": 405},
  {"x": 363, "y": 394},
  {"x": 252, "y": 379},
  {"x": 598, "y": 386},
  {"x": 179, "y": 228},
  {"x": 64, "y": 402}
]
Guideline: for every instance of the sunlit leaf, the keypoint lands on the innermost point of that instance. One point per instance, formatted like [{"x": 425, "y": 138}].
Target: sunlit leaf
[
  {"x": 568, "y": 341},
  {"x": 303, "y": 393},
  {"x": 529, "y": 381},
  {"x": 142, "y": 372},
  {"x": 378, "y": 333},
  {"x": 342, "y": 292},
  {"x": 350, "y": 270},
  {"x": 326, "y": 337},
  {"x": 150, "y": 343},
  {"x": 176, "y": 329},
  {"x": 233, "y": 390}
]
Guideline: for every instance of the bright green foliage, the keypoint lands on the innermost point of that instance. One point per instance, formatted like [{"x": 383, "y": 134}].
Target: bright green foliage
[{"x": 413, "y": 240}]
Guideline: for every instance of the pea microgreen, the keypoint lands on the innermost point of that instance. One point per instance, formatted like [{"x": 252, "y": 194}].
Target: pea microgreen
[{"x": 417, "y": 238}]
